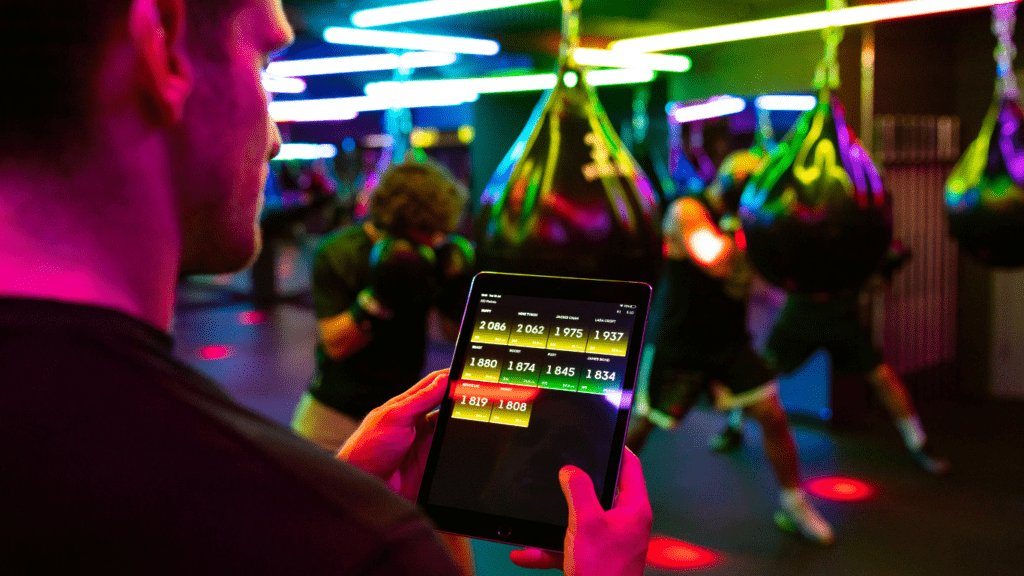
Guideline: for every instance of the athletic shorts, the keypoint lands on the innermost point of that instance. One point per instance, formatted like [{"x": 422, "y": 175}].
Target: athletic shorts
[
  {"x": 848, "y": 345},
  {"x": 739, "y": 375}
]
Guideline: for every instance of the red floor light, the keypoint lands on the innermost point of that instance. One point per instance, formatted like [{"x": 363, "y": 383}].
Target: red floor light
[
  {"x": 840, "y": 488},
  {"x": 251, "y": 317},
  {"x": 671, "y": 554},
  {"x": 215, "y": 352}
]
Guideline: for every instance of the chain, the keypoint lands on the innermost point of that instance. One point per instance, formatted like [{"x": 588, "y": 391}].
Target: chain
[
  {"x": 1004, "y": 17},
  {"x": 826, "y": 76},
  {"x": 570, "y": 28}
]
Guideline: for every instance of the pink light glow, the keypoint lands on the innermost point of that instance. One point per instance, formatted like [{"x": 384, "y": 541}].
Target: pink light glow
[
  {"x": 840, "y": 488},
  {"x": 216, "y": 352},
  {"x": 670, "y": 554},
  {"x": 251, "y": 317}
]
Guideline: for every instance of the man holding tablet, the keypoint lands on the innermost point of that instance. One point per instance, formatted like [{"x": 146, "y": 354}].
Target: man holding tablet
[
  {"x": 542, "y": 378},
  {"x": 135, "y": 154}
]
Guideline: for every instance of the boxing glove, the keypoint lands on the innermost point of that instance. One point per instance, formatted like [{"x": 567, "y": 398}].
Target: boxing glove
[
  {"x": 456, "y": 264},
  {"x": 401, "y": 280}
]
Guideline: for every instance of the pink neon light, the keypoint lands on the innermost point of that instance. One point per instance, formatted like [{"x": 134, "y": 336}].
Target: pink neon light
[
  {"x": 216, "y": 352},
  {"x": 671, "y": 554},
  {"x": 840, "y": 488},
  {"x": 251, "y": 317}
]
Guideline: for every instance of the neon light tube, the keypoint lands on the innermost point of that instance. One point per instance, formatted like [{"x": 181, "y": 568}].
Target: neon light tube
[
  {"x": 619, "y": 76},
  {"x": 349, "y": 107},
  {"x": 406, "y": 41},
  {"x": 523, "y": 83},
  {"x": 795, "y": 102},
  {"x": 430, "y": 9},
  {"x": 718, "y": 106},
  {"x": 496, "y": 84},
  {"x": 306, "y": 151},
  {"x": 620, "y": 59},
  {"x": 311, "y": 110},
  {"x": 798, "y": 23},
  {"x": 365, "y": 63},
  {"x": 281, "y": 85}
]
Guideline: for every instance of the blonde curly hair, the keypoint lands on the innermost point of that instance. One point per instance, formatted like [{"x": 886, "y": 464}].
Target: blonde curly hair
[{"x": 417, "y": 197}]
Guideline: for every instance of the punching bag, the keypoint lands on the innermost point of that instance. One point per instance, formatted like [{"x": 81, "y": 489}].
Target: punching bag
[
  {"x": 568, "y": 199},
  {"x": 648, "y": 153},
  {"x": 816, "y": 216},
  {"x": 985, "y": 190}
]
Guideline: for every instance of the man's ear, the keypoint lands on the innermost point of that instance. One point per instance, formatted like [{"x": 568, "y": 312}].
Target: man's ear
[{"x": 157, "y": 30}]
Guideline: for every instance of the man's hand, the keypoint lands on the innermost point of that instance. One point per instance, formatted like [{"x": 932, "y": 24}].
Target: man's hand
[
  {"x": 612, "y": 543},
  {"x": 393, "y": 440}
]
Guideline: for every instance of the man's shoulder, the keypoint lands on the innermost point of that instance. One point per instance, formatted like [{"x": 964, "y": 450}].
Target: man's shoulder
[
  {"x": 348, "y": 237},
  {"x": 101, "y": 435},
  {"x": 343, "y": 249}
]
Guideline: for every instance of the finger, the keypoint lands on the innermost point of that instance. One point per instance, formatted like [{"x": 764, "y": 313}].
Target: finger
[
  {"x": 536, "y": 559},
  {"x": 426, "y": 382},
  {"x": 579, "y": 493},
  {"x": 632, "y": 486},
  {"x": 431, "y": 419},
  {"x": 422, "y": 398}
]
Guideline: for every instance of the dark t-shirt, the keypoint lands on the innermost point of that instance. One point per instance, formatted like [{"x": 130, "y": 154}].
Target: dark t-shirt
[
  {"x": 391, "y": 362},
  {"x": 119, "y": 459},
  {"x": 692, "y": 316}
]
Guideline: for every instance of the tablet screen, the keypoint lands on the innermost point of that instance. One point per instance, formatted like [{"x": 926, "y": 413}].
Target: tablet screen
[{"x": 537, "y": 382}]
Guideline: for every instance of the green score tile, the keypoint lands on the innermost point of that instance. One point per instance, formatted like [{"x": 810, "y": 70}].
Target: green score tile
[
  {"x": 519, "y": 372},
  {"x": 558, "y": 376},
  {"x": 594, "y": 386}
]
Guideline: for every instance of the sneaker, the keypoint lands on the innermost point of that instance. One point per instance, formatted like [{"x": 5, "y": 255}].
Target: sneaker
[
  {"x": 802, "y": 518},
  {"x": 929, "y": 462},
  {"x": 728, "y": 440}
]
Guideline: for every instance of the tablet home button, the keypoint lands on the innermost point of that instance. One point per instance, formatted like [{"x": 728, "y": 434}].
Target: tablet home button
[{"x": 504, "y": 531}]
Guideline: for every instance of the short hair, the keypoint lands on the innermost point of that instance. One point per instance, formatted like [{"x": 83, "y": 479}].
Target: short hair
[
  {"x": 51, "y": 52},
  {"x": 417, "y": 196}
]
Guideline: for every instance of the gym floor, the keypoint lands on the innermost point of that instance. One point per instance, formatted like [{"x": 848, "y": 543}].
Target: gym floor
[{"x": 713, "y": 510}]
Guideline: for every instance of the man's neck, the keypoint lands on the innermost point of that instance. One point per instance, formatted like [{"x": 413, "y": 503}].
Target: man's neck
[{"x": 91, "y": 237}]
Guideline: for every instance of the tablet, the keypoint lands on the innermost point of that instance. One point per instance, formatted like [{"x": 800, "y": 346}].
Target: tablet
[{"x": 542, "y": 377}]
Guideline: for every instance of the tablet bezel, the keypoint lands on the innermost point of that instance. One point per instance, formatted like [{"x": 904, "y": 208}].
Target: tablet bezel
[{"x": 511, "y": 530}]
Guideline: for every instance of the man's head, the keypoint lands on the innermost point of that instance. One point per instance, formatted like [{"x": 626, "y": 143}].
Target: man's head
[
  {"x": 184, "y": 74},
  {"x": 418, "y": 201}
]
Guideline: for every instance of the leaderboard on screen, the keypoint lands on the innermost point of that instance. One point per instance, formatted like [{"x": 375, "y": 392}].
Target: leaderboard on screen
[
  {"x": 607, "y": 333},
  {"x": 532, "y": 343}
]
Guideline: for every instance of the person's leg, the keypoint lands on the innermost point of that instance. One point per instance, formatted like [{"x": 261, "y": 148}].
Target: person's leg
[
  {"x": 672, "y": 390},
  {"x": 321, "y": 424},
  {"x": 893, "y": 395},
  {"x": 748, "y": 383},
  {"x": 797, "y": 513},
  {"x": 638, "y": 433},
  {"x": 778, "y": 441},
  {"x": 731, "y": 437},
  {"x": 640, "y": 425},
  {"x": 785, "y": 350}
]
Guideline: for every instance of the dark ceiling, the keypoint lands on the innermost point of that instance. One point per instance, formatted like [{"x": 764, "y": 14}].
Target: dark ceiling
[
  {"x": 528, "y": 34},
  {"x": 601, "y": 18}
]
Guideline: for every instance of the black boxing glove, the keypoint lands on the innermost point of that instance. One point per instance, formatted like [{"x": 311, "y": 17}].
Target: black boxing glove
[
  {"x": 402, "y": 278},
  {"x": 456, "y": 265}
]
